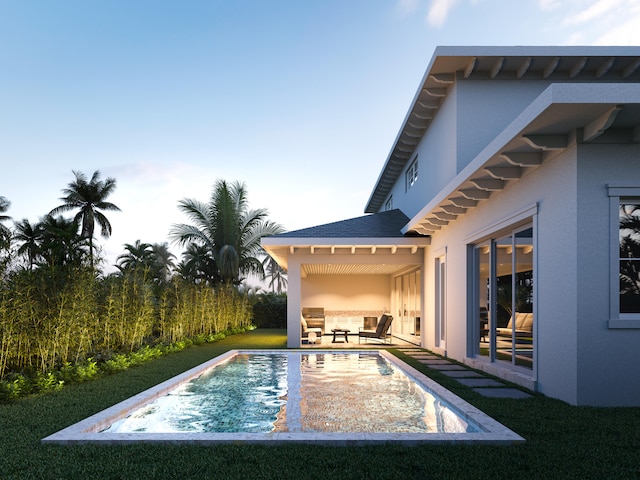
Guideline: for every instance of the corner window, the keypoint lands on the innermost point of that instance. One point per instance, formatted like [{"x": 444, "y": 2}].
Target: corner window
[
  {"x": 624, "y": 206},
  {"x": 412, "y": 174}
]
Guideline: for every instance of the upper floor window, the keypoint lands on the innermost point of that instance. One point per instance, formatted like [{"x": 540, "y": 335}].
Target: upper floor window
[
  {"x": 412, "y": 174},
  {"x": 389, "y": 203}
]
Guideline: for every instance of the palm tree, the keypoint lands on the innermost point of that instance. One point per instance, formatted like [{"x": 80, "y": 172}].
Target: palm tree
[
  {"x": 89, "y": 197},
  {"x": 31, "y": 237},
  {"x": 228, "y": 229},
  {"x": 61, "y": 245},
  {"x": 163, "y": 261},
  {"x": 276, "y": 273},
  {"x": 197, "y": 266},
  {"x": 138, "y": 257},
  {"x": 5, "y": 233}
]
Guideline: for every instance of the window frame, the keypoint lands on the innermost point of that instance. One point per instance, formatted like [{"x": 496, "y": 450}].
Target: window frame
[
  {"x": 616, "y": 195},
  {"x": 411, "y": 175}
]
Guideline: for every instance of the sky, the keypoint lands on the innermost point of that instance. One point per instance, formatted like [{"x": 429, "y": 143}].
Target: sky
[{"x": 300, "y": 100}]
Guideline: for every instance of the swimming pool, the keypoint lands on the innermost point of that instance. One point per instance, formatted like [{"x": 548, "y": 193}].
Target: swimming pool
[{"x": 328, "y": 397}]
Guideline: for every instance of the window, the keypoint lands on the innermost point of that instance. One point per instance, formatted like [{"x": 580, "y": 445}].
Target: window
[
  {"x": 412, "y": 174},
  {"x": 624, "y": 205},
  {"x": 629, "y": 241},
  {"x": 389, "y": 204}
]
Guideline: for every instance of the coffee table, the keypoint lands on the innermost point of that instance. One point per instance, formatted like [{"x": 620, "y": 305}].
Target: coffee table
[{"x": 340, "y": 331}]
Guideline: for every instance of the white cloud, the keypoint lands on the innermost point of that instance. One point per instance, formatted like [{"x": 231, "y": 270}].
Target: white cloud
[
  {"x": 596, "y": 10},
  {"x": 548, "y": 5},
  {"x": 439, "y": 10},
  {"x": 406, "y": 7}
]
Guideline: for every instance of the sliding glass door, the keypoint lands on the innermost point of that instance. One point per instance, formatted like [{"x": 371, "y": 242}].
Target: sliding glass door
[{"x": 504, "y": 317}]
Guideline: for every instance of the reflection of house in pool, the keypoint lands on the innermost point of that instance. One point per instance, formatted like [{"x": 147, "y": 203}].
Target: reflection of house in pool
[{"x": 501, "y": 196}]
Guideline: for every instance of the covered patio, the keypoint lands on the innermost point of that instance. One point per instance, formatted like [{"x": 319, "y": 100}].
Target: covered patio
[{"x": 350, "y": 271}]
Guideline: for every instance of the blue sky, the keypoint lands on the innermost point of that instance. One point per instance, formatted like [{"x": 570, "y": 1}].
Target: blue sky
[{"x": 301, "y": 100}]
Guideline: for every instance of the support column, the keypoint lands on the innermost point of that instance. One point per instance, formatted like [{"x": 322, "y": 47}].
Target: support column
[{"x": 294, "y": 329}]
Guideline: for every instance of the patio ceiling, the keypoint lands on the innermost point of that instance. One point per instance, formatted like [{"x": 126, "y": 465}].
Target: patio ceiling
[{"x": 371, "y": 256}]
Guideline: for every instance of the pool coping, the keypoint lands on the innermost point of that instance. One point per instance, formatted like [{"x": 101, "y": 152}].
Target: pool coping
[{"x": 88, "y": 431}]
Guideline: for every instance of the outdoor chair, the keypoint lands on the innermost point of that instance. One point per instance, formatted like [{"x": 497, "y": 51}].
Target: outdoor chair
[
  {"x": 306, "y": 330},
  {"x": 380, "y": 333}
]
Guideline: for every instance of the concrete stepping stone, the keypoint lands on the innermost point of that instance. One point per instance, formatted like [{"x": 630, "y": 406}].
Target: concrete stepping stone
[
  {"x": 502, "y": 393},
  {"x": 480, "y": 382},
  {"x": 447, "y": 367},
  {"x": 462, "y": 374},
  {"x": 436, "y": 361}
]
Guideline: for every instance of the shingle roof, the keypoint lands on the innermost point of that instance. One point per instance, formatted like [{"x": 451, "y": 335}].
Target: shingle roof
[{"x": 383, "y": 224}]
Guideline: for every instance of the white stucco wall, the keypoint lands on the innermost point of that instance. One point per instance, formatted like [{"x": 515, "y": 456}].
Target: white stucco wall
[{"x": 553, "y": 188}]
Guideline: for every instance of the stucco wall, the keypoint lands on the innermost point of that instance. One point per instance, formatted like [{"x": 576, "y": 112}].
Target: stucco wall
[
  {"x": 347, "y": 293},
  {"x": 608, "y": 367},
  {"x": 485, "y": 108},
  {"x": 553, "y": 188},
  {"x": 436, "y": 161}
]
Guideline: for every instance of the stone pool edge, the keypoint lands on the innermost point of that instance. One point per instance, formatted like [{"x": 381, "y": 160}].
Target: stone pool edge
[{"x": 88, "y": 431}]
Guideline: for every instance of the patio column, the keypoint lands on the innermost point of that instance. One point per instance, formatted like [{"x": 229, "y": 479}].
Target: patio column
[{"x": 294, "y": 332}]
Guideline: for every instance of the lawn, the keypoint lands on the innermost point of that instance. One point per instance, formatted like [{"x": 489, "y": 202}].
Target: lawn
[{"x": 562, "y": 441}]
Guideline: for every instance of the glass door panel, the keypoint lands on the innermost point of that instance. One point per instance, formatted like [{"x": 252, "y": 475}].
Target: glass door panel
[
  {"x": 504, "y": 281},
  {"x": 523, "y": 327},
  {"x": 482, "y": 298}
]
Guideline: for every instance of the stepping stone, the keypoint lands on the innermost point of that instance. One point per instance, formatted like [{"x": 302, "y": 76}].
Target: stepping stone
[
  {"x": 502, "y": 393},
  {"x": 462, "y": 374},
  {"x": 480, "y": 382},
  {"x": 419, "y": 356},
  {"x": 448, "y": 367},
  {"x": 436, "y": 362}
]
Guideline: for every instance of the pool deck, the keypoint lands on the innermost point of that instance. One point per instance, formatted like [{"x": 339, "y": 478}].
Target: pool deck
[{"x": 90, "y": 429}]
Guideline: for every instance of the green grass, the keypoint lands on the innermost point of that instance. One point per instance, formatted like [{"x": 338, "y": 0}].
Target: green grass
[{"x": 562, "y": 442}]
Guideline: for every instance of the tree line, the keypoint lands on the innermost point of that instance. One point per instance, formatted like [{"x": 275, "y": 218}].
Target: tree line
[{"x": 59, "y": 308}]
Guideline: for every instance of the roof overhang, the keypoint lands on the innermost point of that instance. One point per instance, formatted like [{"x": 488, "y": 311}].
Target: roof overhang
[
  {"x": 562, "y": 115},
  {"x": 601, "y": 64}
]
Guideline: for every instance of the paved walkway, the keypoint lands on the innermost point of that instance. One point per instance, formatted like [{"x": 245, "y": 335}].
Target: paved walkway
[{"x": 478, "y": 382}]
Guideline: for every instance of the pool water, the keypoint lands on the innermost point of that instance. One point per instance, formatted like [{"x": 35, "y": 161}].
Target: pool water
[
  {"x": 280, "y": 397},
  {"x": 298, "y": 392}
]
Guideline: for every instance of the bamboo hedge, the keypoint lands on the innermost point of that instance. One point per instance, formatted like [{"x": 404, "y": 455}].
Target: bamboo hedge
[{"x": 51, "y": 320}]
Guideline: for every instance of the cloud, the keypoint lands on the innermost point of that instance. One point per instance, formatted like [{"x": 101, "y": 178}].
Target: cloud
[
  {"x": 600, "y": 22},
  {"x": 439, "y": 11},
  {"x": 407, "y": 7},
  {"x": 596, "y": 10}
]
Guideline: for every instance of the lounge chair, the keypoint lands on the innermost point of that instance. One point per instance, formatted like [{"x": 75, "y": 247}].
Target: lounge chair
[
  {"x": 306, "y": 330},
  {"x": 381, "y": 332}
]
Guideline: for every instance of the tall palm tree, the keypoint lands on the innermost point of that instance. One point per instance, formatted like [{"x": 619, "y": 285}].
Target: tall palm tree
[
  {"x": 228, "y": 229},
  {"x": 5, "y": 233},
  {"x": 89, "y": 197},
  {"x": 30, "y": 236}
]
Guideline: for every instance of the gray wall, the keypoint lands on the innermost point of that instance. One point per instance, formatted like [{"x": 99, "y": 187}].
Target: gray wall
[{"x": 608, "y": 367}]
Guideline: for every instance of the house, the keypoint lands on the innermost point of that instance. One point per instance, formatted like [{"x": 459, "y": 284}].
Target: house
[{"x": 502, "y": 230}]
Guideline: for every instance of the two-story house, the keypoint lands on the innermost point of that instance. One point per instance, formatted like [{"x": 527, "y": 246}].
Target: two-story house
[{"x": 504, "y": 228}]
